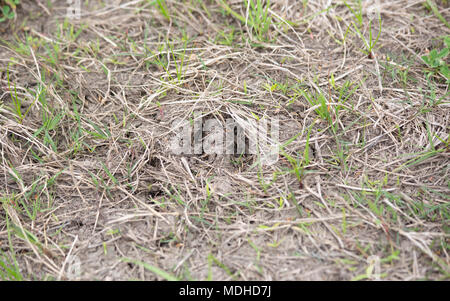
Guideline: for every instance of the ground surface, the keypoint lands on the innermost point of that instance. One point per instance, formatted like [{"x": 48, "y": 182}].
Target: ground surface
[{"x": 90, "y": 188}]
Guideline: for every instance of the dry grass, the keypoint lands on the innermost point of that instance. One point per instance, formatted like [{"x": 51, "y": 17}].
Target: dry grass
[{"x": 87, "y": 176}]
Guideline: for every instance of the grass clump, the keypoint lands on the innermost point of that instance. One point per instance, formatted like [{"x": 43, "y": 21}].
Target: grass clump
[{"x": 8, "y": 9}]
